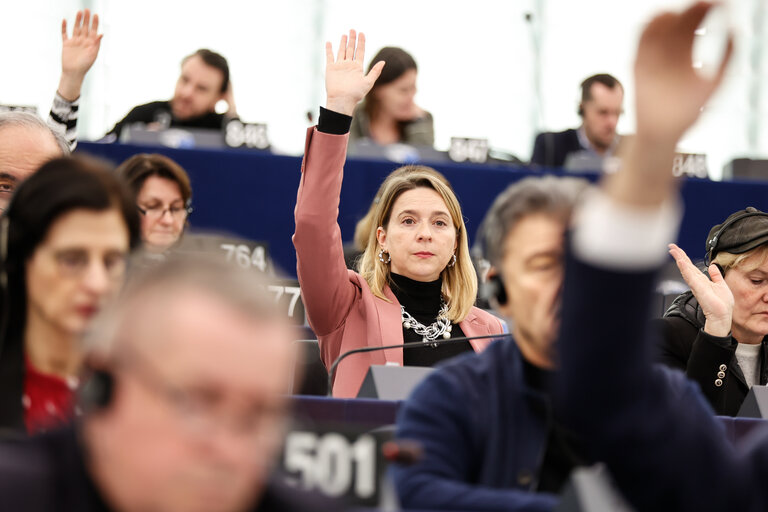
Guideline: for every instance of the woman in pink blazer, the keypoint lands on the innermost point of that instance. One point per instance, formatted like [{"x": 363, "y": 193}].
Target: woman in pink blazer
[{"x": 415, "y": 281}]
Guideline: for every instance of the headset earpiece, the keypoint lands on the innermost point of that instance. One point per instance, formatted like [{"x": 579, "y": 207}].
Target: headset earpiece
[
  {"x": 98, "y": 390},
  {"x": 496, "y": 290}
]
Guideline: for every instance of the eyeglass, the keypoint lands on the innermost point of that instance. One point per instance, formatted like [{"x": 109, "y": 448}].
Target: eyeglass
[
  {"x": 201, "y": 410},
  {"x": 74, "y": 262},
  {"x": 156, "y": 212}
]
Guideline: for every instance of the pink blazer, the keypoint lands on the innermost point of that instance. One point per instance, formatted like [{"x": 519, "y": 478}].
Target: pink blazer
[{"x": 340, "y": 306}]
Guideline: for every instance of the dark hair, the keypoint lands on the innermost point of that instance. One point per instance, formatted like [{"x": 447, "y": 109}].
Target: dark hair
[
  {"x": 215, "y": 60},
  {"x": 58, "y": 187},
  {"x": 398, "y": 62},
  {"x": 605, "y": 79},
  {"x": 135, "y": 171}
]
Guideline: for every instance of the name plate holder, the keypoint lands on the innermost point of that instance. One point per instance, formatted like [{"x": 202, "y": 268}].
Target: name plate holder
[
  {"x": 465, "y": 149},
  {"x": 18, "y": 108},
  {"x": 343, "y": 462},
  {"x": 691, "y": 165},
  {"x": 238, "y": 134}
]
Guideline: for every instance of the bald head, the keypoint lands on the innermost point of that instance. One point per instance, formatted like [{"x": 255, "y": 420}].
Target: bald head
[{"x": 26, "y": 143}]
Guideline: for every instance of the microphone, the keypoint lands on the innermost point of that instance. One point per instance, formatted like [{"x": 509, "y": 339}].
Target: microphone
[
  {"x": 404, "y": 452},
  {"x": 410, "y": 344}
]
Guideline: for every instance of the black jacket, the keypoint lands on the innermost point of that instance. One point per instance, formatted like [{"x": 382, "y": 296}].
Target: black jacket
[
  {"x": 684, "y": 345},
  {"x": 160, "y": 112},
  {"x": 552, "y": 148}
]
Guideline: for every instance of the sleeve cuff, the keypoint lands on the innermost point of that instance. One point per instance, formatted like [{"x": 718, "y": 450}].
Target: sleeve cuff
[
  {"x": 62, "y": 102},
  {"x": 725, "y": 342},
  {"x": 620, "y": 237},
  {"x": 333, "y": 122}
]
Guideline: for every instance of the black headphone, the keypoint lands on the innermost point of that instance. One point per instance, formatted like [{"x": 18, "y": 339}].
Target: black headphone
[
  {"x": 493, "y": 288},
  {"x": 712, "y": 243},
  {"x": 98, "y": 390}
]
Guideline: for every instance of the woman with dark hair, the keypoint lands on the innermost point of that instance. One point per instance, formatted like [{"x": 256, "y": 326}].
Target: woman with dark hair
[
  {"x": 64, "y": 241},
  {"x": 388, "y": 113},
  {"x": 163, "y": 195}
]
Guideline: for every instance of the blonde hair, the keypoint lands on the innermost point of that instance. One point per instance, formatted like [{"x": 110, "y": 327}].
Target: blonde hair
[
  {"x": 365, "y": 225},
  {"x": 460, "y": 280},
  {"x": 729, "y": 260}
]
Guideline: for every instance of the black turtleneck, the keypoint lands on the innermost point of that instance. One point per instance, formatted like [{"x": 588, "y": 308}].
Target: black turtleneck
[
  {"x": 564, "y": 451},
  {"x": 422, "y": 301}
]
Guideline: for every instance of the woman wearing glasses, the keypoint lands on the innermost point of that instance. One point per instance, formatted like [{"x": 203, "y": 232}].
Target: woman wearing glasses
[
  {"x": 63, "y": 244},
  {"x": 163, "y": 195}
]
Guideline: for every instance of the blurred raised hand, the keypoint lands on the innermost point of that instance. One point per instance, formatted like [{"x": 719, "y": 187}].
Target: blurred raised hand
[
  {"x": 670, "y": 93},
  {"x": 345, "y": 81},
  {"x": 669, "y": 96},
  {"x": 78, "y": 52}
]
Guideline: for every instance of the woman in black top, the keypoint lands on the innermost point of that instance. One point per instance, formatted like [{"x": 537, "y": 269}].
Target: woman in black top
[{"x": 716, "y": 333}]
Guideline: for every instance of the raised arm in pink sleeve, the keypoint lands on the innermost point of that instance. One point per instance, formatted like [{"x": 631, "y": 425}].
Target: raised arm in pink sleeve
[{"x": 326, "y": 288}]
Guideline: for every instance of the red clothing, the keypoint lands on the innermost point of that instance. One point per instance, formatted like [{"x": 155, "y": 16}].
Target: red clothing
[{"x": 48, "y": 399}]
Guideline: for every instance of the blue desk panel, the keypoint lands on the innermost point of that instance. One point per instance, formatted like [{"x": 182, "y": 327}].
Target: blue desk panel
[{"x": 253, "y": 194}]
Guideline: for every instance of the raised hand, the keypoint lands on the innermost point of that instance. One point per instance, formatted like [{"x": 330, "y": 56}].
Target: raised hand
[
  {"x": 345, "y": 82},
  {"x": 714, "y": 296},
  {"x": 670, "y": 93},
  {"x": 78, "y": 52}
]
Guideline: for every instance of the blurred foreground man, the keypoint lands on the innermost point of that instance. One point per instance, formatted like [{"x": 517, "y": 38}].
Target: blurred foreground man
[
  {"x": 664, "y": 453},
  {"x": 183, "y": 410},
  {"x": 485, "y": 422}
]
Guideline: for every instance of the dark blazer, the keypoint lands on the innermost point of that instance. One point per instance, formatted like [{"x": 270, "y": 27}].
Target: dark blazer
[
  {"x": 160, "y": 112},
  {"x": 483, "y": 441},
  {"x": 48, "y": 474},
  {"x": 665, "y": 448},
  {"x": 708, "y": 360},
  {"x": 552, "y": 148}
]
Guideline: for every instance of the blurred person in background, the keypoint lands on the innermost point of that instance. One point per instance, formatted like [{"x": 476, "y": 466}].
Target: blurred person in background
[
  {"x": 600, "y": 108},
  {"x": 65, "y": 239},
  {"x": 204, "y": 81},
  {"x": 389, "y": 114},
  {"x": 163, "y": 195}
]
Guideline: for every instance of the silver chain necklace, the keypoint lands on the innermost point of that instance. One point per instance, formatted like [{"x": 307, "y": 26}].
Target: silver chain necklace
[{"x": 429, "y": 333}]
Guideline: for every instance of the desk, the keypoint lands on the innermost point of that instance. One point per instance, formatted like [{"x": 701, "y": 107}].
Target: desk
[
  {"x": 374, "y": 413},
  {"x": 363, "y": 411},
  {"x": 253, "y": 194}
]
